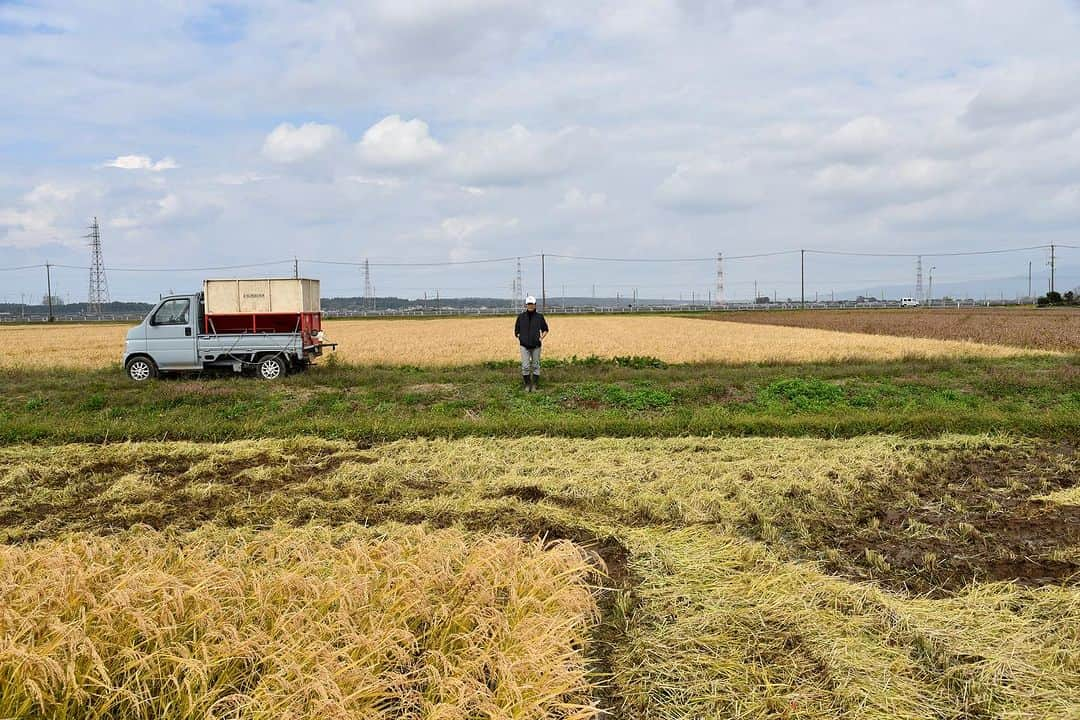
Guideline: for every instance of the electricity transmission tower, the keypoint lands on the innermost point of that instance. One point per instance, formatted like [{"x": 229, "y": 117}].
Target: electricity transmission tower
[
  {"x": 918, "y": 279},
  {"x": 719, "y": 278},
  {"x": 99, "y": 284},
  {"x": 369, "y": 289}
]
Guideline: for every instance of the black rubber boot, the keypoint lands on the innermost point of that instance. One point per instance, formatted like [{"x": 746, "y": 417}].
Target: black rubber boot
[
  {"x": 525, "y": 383},
  {"x": 536, "y": 382}
]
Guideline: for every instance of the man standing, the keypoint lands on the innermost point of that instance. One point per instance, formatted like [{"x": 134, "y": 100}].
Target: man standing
[{"x": 530, "y": 329}]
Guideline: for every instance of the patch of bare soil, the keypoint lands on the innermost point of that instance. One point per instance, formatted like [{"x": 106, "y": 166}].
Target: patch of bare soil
[
  {"x": 972, "y": 517},
  {"x": 431, "y": 388},
  {"x": 83, "y": 505}
]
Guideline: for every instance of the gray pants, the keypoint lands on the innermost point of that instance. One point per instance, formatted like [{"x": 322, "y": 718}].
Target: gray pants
[{"x": 530, "y": 361}]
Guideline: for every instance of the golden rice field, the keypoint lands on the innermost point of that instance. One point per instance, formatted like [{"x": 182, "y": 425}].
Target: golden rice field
[
  {"x": 287, "y": 623},
  {"x": 462, "y": 341},
  {"x": 758, "y": 578}
]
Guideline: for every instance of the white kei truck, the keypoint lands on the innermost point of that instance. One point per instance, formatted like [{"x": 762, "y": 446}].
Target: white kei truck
[{"x": 270, "y": 326}]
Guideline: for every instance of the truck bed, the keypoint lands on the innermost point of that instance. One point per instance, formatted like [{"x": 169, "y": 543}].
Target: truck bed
[{"x": 246, "y": 343}]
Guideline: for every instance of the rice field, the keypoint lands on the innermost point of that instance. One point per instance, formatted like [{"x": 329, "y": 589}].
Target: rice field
[
  {"x": 463, "y": 341},
  {"x": 800, "y": 578},
  {"x": 1044, "y": 328},
  {"x": 294, "y": 623},
  {"x": 540, "y": 577}
]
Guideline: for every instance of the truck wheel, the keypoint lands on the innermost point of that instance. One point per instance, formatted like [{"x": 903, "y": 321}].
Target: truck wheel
[
  {"x": 141, "y": 369},
  {"x": 271, "y": 367}
]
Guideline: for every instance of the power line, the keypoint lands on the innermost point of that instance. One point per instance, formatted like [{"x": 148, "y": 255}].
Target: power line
[
  {"x": 171, "y": 270},
  {"x": 670, "y": 260},
  {"x": 938, "y": 254},
  {"x": 440, "y": 263},
  {"x": 22, "y": 267},
  {"x": 587, "y": 258}
]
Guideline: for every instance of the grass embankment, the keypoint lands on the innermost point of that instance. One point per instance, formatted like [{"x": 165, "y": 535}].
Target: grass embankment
[
  {"x": 310, "y": 623},
  {"x": 875, "y": 577},
  {"x": 1036, "y": 396}
]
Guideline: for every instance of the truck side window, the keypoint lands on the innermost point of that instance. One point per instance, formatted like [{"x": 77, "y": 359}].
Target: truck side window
[{"x": 172, "y": 312}]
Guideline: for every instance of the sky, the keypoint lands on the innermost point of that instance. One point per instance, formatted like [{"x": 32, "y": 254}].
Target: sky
[{"x": 210, "y": 134}]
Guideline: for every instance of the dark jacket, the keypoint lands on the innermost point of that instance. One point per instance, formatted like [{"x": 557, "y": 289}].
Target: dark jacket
[{"x": 528, "y": 327}]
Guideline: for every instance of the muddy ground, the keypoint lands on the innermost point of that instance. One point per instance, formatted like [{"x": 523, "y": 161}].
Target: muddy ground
[{"x": 969, "y": 517}]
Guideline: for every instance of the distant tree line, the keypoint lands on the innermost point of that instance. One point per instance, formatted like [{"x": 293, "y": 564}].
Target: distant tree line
[{"x": 1055, "y": 298}]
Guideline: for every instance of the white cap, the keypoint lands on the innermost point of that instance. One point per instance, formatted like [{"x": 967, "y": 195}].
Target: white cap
[{"x": 530, "y": 300}]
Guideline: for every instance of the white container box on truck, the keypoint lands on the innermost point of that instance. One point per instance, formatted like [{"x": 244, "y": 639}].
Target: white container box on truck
[{"x": 269, "y": 325}]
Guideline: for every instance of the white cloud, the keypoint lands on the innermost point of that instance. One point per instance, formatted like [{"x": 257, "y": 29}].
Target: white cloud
[
  {"x": 395, "y": 143},
  {"x": 464, "y": 227},
  {"x": 515, "y": 156},
  {"x": 465, "y": 231},
  {"x": 1062, "y": 206},
  {"x": 841, "y": 180},
  {"x": 288, "y": 143},
  {"x": 242, "y": 178},
  {"x": 36, "y": 220},
  {"x": 389, "y": 183},
  {"x": 1023, "y": 93},
  {"x": 575, "y": 200},
  {"x": 141, "y": 162},
  {"x": 709, "y": 186},
  {"x": 862, "y": 138},
  {"x": 171, "y": 209},
  {"x": 865, "y": 187}
]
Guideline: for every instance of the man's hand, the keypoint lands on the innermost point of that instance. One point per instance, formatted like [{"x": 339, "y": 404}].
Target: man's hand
[{"x": 543, "y": 334}]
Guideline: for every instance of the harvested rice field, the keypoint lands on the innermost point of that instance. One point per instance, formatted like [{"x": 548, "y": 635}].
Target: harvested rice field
[
  {"x": 872, "y": 577},
  {"x": 1045, "y": 328},
  {"x": 464, "y": 341}
]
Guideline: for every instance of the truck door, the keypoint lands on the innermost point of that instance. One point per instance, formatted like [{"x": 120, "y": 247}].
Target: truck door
[{"x": 170, "y": 335}]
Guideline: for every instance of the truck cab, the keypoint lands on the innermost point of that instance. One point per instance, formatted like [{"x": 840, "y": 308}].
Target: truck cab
[{"x": 167, "y": 334}]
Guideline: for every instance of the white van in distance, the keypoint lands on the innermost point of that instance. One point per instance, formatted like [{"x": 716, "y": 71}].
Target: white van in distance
[{"x": 909, "y": 302}]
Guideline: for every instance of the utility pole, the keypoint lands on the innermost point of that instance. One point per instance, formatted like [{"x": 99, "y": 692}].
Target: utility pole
[
  {"x": 296, "y": 268},
  {"x": 1052, "y": 263},
  {"x": 719, "y": 278},
  {"x": 543, "y": 283},
  {"x": 930, "y": 299},
  {"x": 99, "y": 285},
  {"x": 519, "y": 287},
  {"x": 1029, "y": 280},
  {"x": 755, "y": 292},
  {"x": 802, "y": 279},
  {"x": 918, "y": 280},
  {"x": 48, "y": 285}
]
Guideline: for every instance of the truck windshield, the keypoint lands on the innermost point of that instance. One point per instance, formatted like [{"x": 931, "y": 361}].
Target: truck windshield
[{"x": 172, "y": 312}]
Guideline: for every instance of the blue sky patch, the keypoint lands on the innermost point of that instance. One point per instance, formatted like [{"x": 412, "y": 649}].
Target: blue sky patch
[{"x": 220, "y": 24}]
